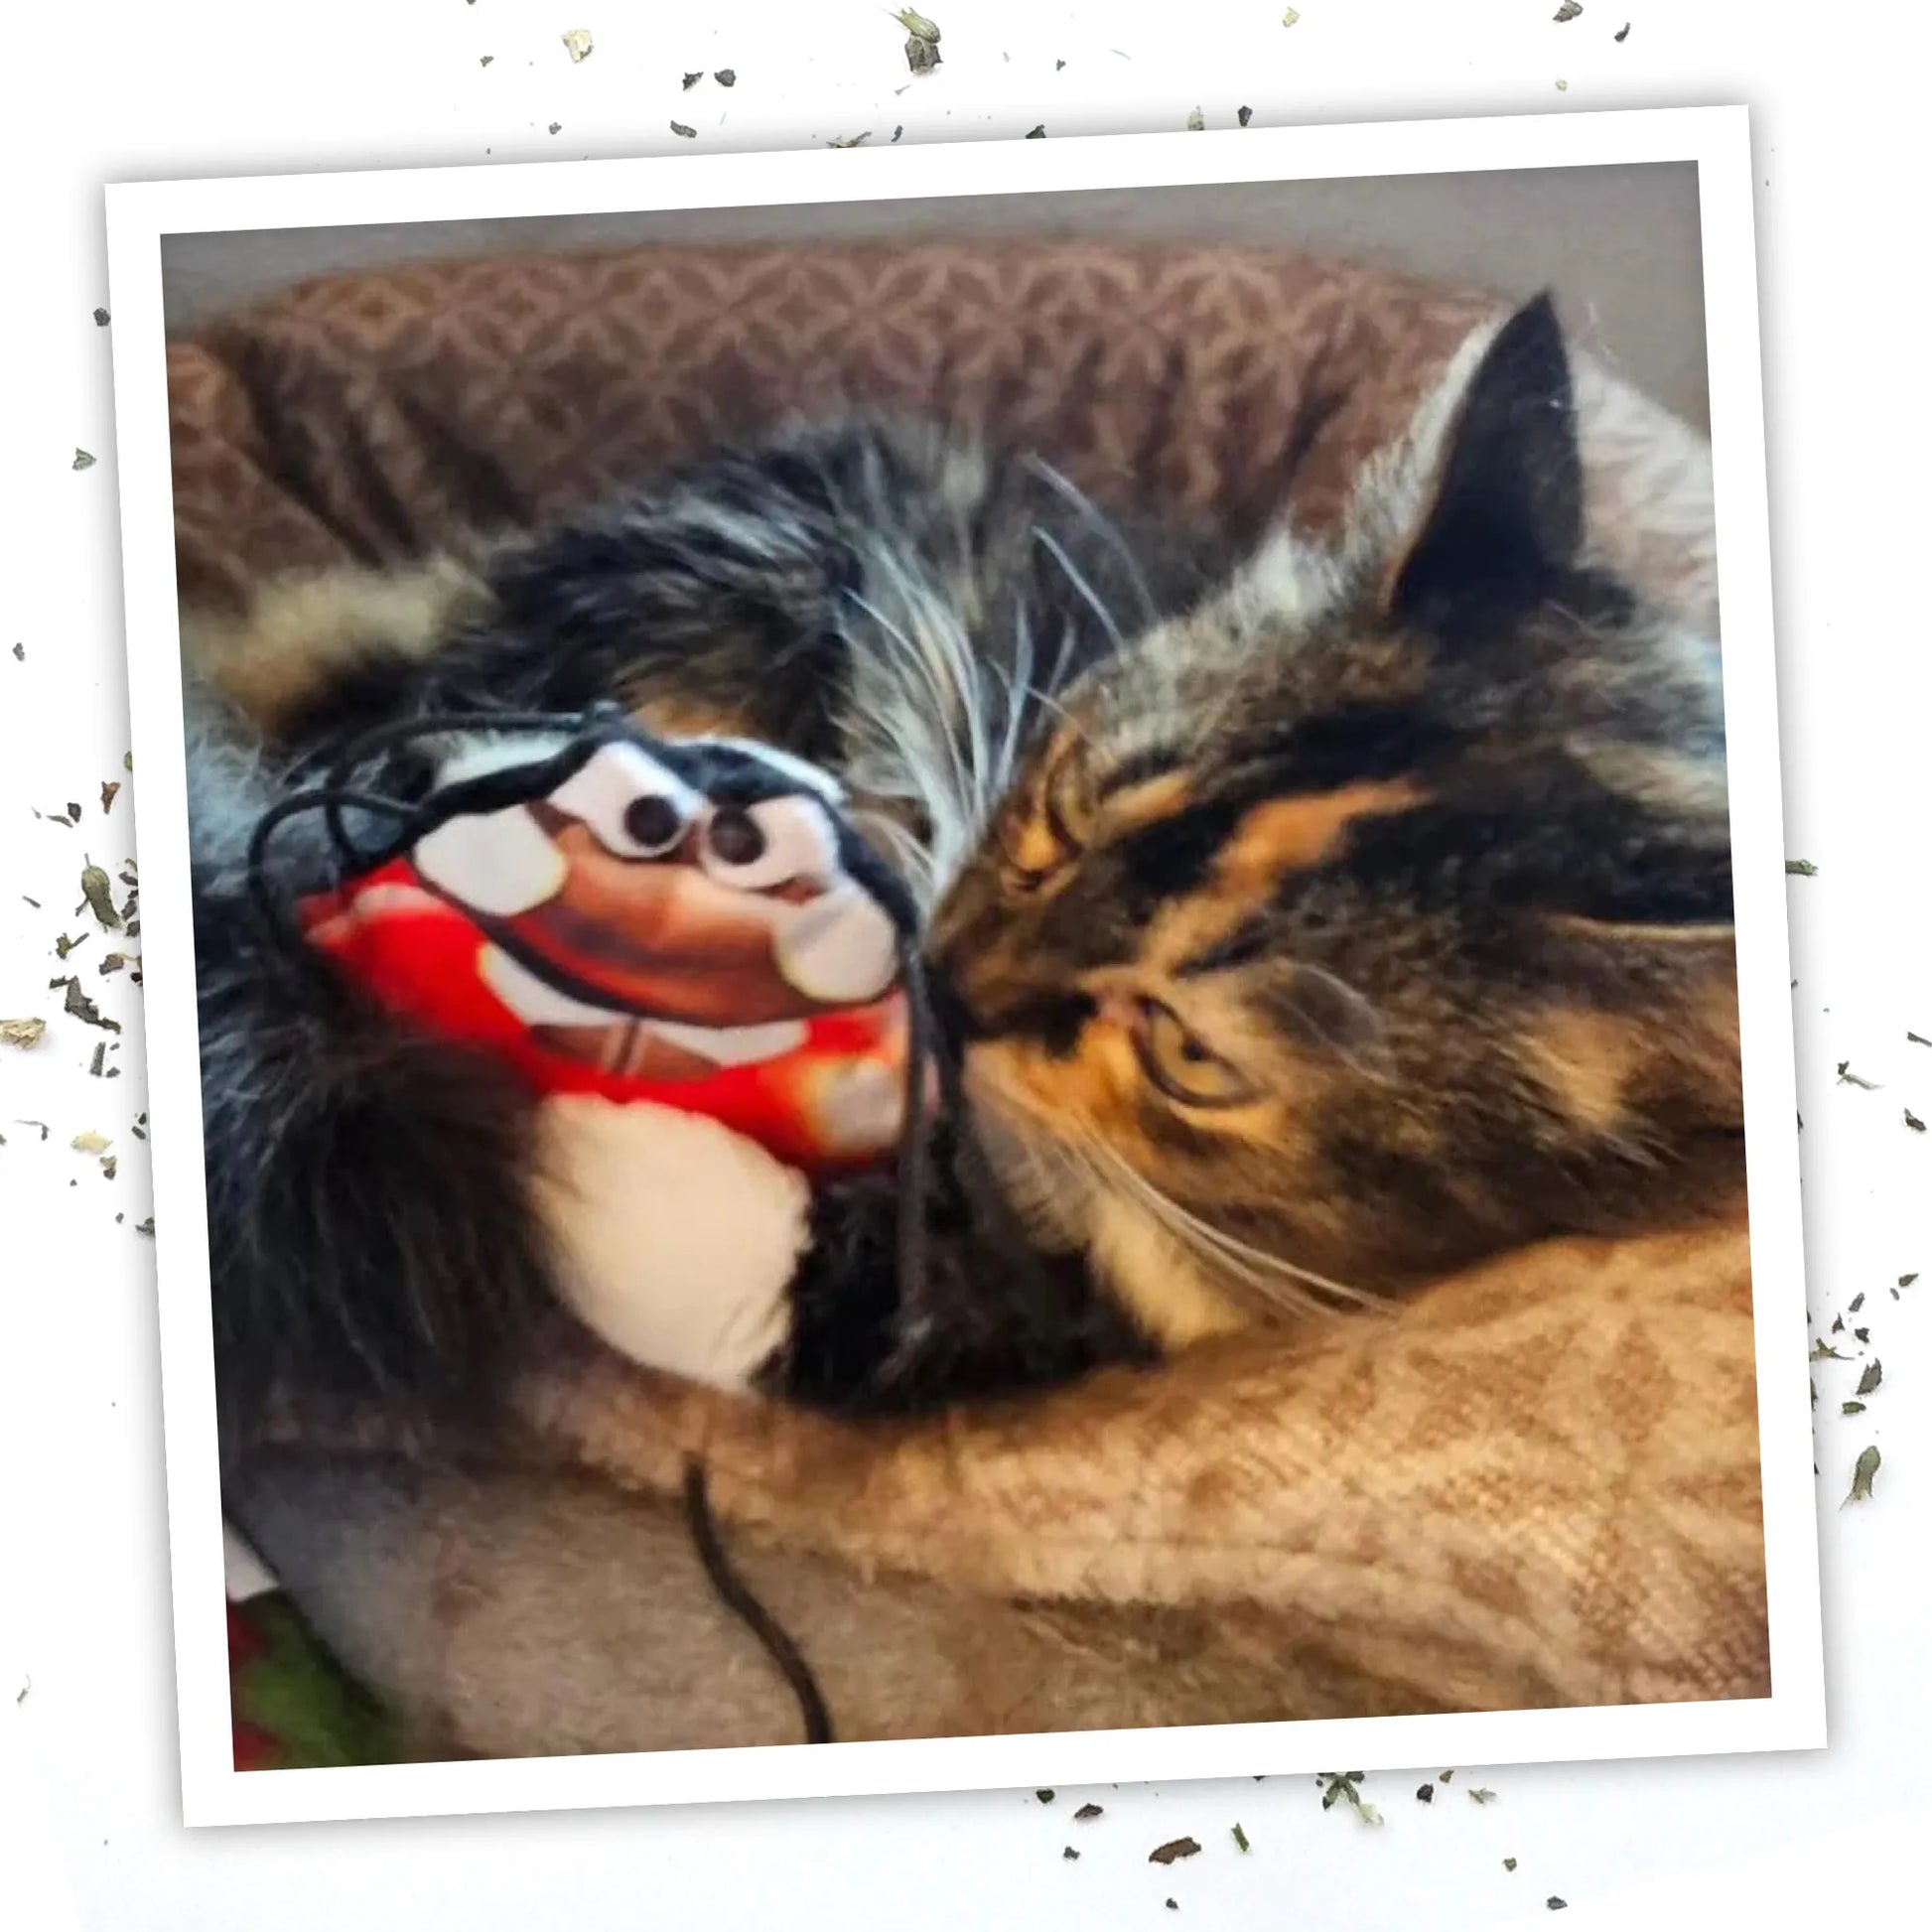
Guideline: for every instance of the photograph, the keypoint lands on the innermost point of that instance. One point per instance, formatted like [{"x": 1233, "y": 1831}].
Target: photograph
[{"x": 975, "y": 956}]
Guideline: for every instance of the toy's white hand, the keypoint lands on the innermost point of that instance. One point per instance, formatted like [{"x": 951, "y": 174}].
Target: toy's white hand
[{"x": 675, "y": 1239}]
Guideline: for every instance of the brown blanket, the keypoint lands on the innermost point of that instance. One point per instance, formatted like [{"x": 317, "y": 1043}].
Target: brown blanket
[{"x": 1536, "y": 1486}]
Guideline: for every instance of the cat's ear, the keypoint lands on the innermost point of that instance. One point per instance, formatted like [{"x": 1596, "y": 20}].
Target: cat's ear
[{"x": 1499, "y": 504}]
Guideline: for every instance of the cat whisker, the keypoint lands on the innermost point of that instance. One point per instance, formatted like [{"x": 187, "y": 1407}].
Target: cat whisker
[
  {"x": 1085, "y": 590},
  {"x": 1102, "y": 525}
]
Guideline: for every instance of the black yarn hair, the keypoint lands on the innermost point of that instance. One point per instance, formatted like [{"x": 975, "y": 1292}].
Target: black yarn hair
[{"x": 586, "y": 733}]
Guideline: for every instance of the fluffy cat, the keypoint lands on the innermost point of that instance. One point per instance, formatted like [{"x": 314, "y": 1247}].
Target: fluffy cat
[{"x": 1311, "y": 923}]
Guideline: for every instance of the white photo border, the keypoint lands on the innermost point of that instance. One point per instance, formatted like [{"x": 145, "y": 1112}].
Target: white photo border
[{"x": 1718, "y": 141}]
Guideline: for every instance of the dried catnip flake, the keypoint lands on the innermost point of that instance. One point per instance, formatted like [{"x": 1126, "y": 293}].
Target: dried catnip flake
[
  {"x": 1863, "y": 1471},
  {"x": 145, "y": 1227},
  {"x": 486, "y": 60},
  {"x": 1917, "y": 1039},
  {"x": 20, "y": 654},
  {"x": 1196, "y": 122},
  {"x": 725, "y": 77},
  {"x": 556, "y": 127},
  {"x": 1425, "y": 1794},
  {"x": 22, "y": 1033},
  {"x": 1244, "y": 115},
  {"x": 110, "y": 1165},
  {"x": 1855, "y": 1303},
  {"x": 98, "y": 891},
  {"x": 1175, "y": 1847},
  {"x": 1240, "y": 1836},
  {"x": 1850, "y": 1408},
  {"x": 1847, "y": 1078},
  {"x": 688, "y": 133},
  {"x": 1874, "y": 1373},
  {"x": 1045, "y": 1796},
  {"x": 850, "y": 140},
  {"x": 101, "y": 317},
  {"x": 1509, "y": 1864},
  {"x": 1557, "y": 1904},
  {"x": 921, "y": 57},
  {"x": 1445, "y": 1777},
  {"x": 1913, "y": 1122},
  {"x": 1037, "y": 133},
  {"x": 40, "y": 1124},
  {"x": 918, "y": 26},
  {"x": 692, "y": 80},
  {"x": 100, "y": 1060},
  {"x": 1822, "y": 1352},
  {"x": 83, "y": 1008},
  {"x": 89, "y": 1142},
  {"x": 1801, "y": 868},
  {"x": 1622, "y": 33},
  {"x": 1089, "y": 1811},
  {"x": 1905, "y": 1281},
  {"x": 1563, "y": 86},
  {"x": 1568, "y": 10},
  {"x": 1290, "y": 17},
  {"x": 578, "y": 43},
  {"x": 1481, "y": 1795},
  {"x": 1068, "y": 1851},
  {"x": 81, "y": 459},
  {"x": 109, "y": 790}
]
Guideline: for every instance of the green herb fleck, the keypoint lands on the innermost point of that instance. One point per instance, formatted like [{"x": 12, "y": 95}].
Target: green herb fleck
[
  {"x": 82, "y": 460},
  {"x": 1855, "y": 1303},
  {"x": 1089, "y": 1811},
  {"x": 728, "y": 78},
  {"x": 98, "y": 891},
  {"x": 1822, "y": 1352},
  {"x": 918, "y": 26},
  {"x": 1850, "y": 1408},
  {"x": 1044, "y": 1797},
  {"x": 1195, "y": 122},
  {"x": 487, "y": 58},
  {"x": 83, "y": 1008},
  {"x": 99, "y": 1059},
  {"x": 1290, "y": 17},
  {"x": 1905, "y": 1281},
  {"x": 1847, "y": 1078},
  {"x": 850, "y": 140},
  {"x": 1801, "y": 868},
  {"x": 1240, "y": 1838},
  {"x": 1568, "y": 10},
  {"x": 692, "y": 80},
  {"x": 1863, "y": 1471},
  {"x": 1425, "y": 1794},
  {"x": 1509, "y": 1864},
  {"x": 1874, "y": 1373},
  {"x": 1481, "y": 1795},
  {"x": 1037, "y": 133}
]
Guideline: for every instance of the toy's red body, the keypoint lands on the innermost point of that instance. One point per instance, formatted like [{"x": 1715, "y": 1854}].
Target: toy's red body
[{"x": 418, "y": 956}]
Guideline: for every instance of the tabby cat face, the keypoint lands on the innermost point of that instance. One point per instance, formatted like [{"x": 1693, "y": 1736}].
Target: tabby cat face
[{"x": 1376, "y": 915}]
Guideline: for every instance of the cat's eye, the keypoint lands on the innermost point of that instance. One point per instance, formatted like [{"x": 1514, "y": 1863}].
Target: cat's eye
[
  {"x": 772, "y": 843},
  {"x": 1181, "y": 1064},
  {"x": 1051, "y": 840}
]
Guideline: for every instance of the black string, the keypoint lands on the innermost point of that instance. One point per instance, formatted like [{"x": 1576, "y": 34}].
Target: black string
[{"x": 737, "y": 1596}]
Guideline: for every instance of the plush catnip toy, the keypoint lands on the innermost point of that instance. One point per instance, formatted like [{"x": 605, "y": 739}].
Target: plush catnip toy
[{"x": 695, "y": 963}]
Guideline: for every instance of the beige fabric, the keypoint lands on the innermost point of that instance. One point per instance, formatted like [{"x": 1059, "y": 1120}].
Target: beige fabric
[{"x": 1535, "y": 1486}]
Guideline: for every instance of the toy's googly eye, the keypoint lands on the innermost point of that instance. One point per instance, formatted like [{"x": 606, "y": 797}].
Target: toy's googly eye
[
  {"x": 634, "y": 806},
  {"x": 757, "y": 847}
]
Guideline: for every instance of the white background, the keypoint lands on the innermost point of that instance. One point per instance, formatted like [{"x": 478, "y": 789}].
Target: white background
[{"x": 102, "y": 92}]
